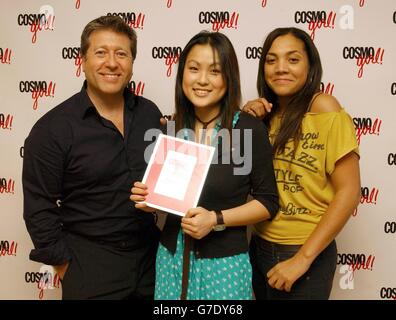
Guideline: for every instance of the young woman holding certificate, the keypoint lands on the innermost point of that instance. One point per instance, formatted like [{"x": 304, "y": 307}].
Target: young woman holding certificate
[{"x": 204, "y": 255}]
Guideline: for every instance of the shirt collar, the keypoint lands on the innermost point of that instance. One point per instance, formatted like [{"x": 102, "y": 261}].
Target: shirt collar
[{"x": 86, "y": 105}]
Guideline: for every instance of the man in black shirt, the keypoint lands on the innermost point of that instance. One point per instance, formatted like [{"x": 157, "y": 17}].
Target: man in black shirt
[{"x": 81, "y": 160}]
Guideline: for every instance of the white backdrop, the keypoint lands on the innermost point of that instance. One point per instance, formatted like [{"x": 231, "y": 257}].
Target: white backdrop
[{"x": 39, "y": 68}]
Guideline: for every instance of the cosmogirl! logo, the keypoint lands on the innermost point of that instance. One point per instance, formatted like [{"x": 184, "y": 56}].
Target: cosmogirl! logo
[
  {"x": 38, "y": 89},
  {"x": 5, "y": 55},
  {"x": 169, "y": 54},
  {"x": 361, "y": 3},
  {"x": 390, "y": 227},
  {"x": 49, "y": 280},
  {"x": 136, "y": 88},
  {"x": 6, "y": 121},
  {"x": 77, "y": 5},
  {"x": 31, "y": 20},
  {"x": 48, "y": 24},
  {"x": 393, "y": 89},
  {"x": 168, "y": 3},
  {"x": 392, "y": 159},
  {"x": 73, "y": 53},
  {"x": 253, "y": 52},
  {"x": 7, "y": 248},
  {"x": 325, "y": 24},
  {"x": 368, "y": 196},
  {"x": 363, "y": 56},
  {"x": 365, "y": 264},
  {"x": 327, "y": 87},
  {"x": 351, "y": 263},
  {"x": 366, "y": 126},
  {"x": 316, "y": 20},
  {"x": 135, "y": 21},
  {"x": 388, "y": 293},
  {"x": 263, "y": 3},
  {"x": 219, "y": 19},
  {"x": 42, "y": 21},
  {"x": 46, "y": 279},
  {"x": 362, "y": 61},
  {"x": 7, "y": 186}
]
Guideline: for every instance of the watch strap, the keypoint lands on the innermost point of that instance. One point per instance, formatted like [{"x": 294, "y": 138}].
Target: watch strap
[{"x": 219, "y": 217}]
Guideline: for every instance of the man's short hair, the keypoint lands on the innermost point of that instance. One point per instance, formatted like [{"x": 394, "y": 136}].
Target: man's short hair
[{"x": 113, "y": 23}]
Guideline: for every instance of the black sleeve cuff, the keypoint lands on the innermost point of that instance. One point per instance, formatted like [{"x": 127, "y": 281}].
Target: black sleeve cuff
[
  {"x": 56, "y": 254},
  {"x": 270, "y": 201}
]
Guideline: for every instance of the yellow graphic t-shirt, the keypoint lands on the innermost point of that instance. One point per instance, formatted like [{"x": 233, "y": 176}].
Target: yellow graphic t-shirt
[{"x": 302, "y": 177}]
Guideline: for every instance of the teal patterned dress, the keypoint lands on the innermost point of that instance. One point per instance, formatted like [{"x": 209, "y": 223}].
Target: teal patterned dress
[{"x": 228, "y": 278}]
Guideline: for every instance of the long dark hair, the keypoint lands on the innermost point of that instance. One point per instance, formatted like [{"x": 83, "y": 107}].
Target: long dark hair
[
  {"x": 230, "y": 103},
  {"x": 297, "y": 107}
]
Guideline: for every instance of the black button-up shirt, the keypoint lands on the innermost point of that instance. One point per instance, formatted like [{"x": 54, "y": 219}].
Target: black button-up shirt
[{"x": 77, "y": 174}]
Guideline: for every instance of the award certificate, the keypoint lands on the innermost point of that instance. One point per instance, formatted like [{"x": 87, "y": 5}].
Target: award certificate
[{"x": 176, "y": 173}]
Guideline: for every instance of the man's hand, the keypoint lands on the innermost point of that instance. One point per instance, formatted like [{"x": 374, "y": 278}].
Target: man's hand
[
  {"x": 164, "y": 120},
  {"x": 61, "y": 269},
  {"x": 139, "y": 193}
]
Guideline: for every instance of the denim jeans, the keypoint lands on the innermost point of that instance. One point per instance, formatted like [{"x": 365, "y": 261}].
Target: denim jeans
[{"x": 315, "y": 284}]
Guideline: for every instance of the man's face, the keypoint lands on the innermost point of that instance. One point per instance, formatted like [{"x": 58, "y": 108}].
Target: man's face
[{"x": 107, "y": 64}]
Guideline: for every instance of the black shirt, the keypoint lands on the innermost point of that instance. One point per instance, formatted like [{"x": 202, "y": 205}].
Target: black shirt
[
  {"x": 224, "y": 189},
  {"x": 78, "y": 171}
]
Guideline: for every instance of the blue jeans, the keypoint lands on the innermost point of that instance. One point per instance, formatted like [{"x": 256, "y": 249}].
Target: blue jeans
[{"x": 315, "y": 284}]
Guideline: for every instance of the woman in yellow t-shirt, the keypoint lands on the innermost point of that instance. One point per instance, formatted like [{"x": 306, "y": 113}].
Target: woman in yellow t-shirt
[{"x": 316, "y": 163}]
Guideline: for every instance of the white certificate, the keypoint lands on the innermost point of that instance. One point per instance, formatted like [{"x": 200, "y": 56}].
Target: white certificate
[{"x": 175, "y": 175}]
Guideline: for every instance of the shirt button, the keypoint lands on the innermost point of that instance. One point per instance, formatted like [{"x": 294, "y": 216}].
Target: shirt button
[
  {"x": 197, "y": 253},
  {"x": 123, "y": 244}
]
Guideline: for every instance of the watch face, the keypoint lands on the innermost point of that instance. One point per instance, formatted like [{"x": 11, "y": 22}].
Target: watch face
[{"x": 219, "y": 227}]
